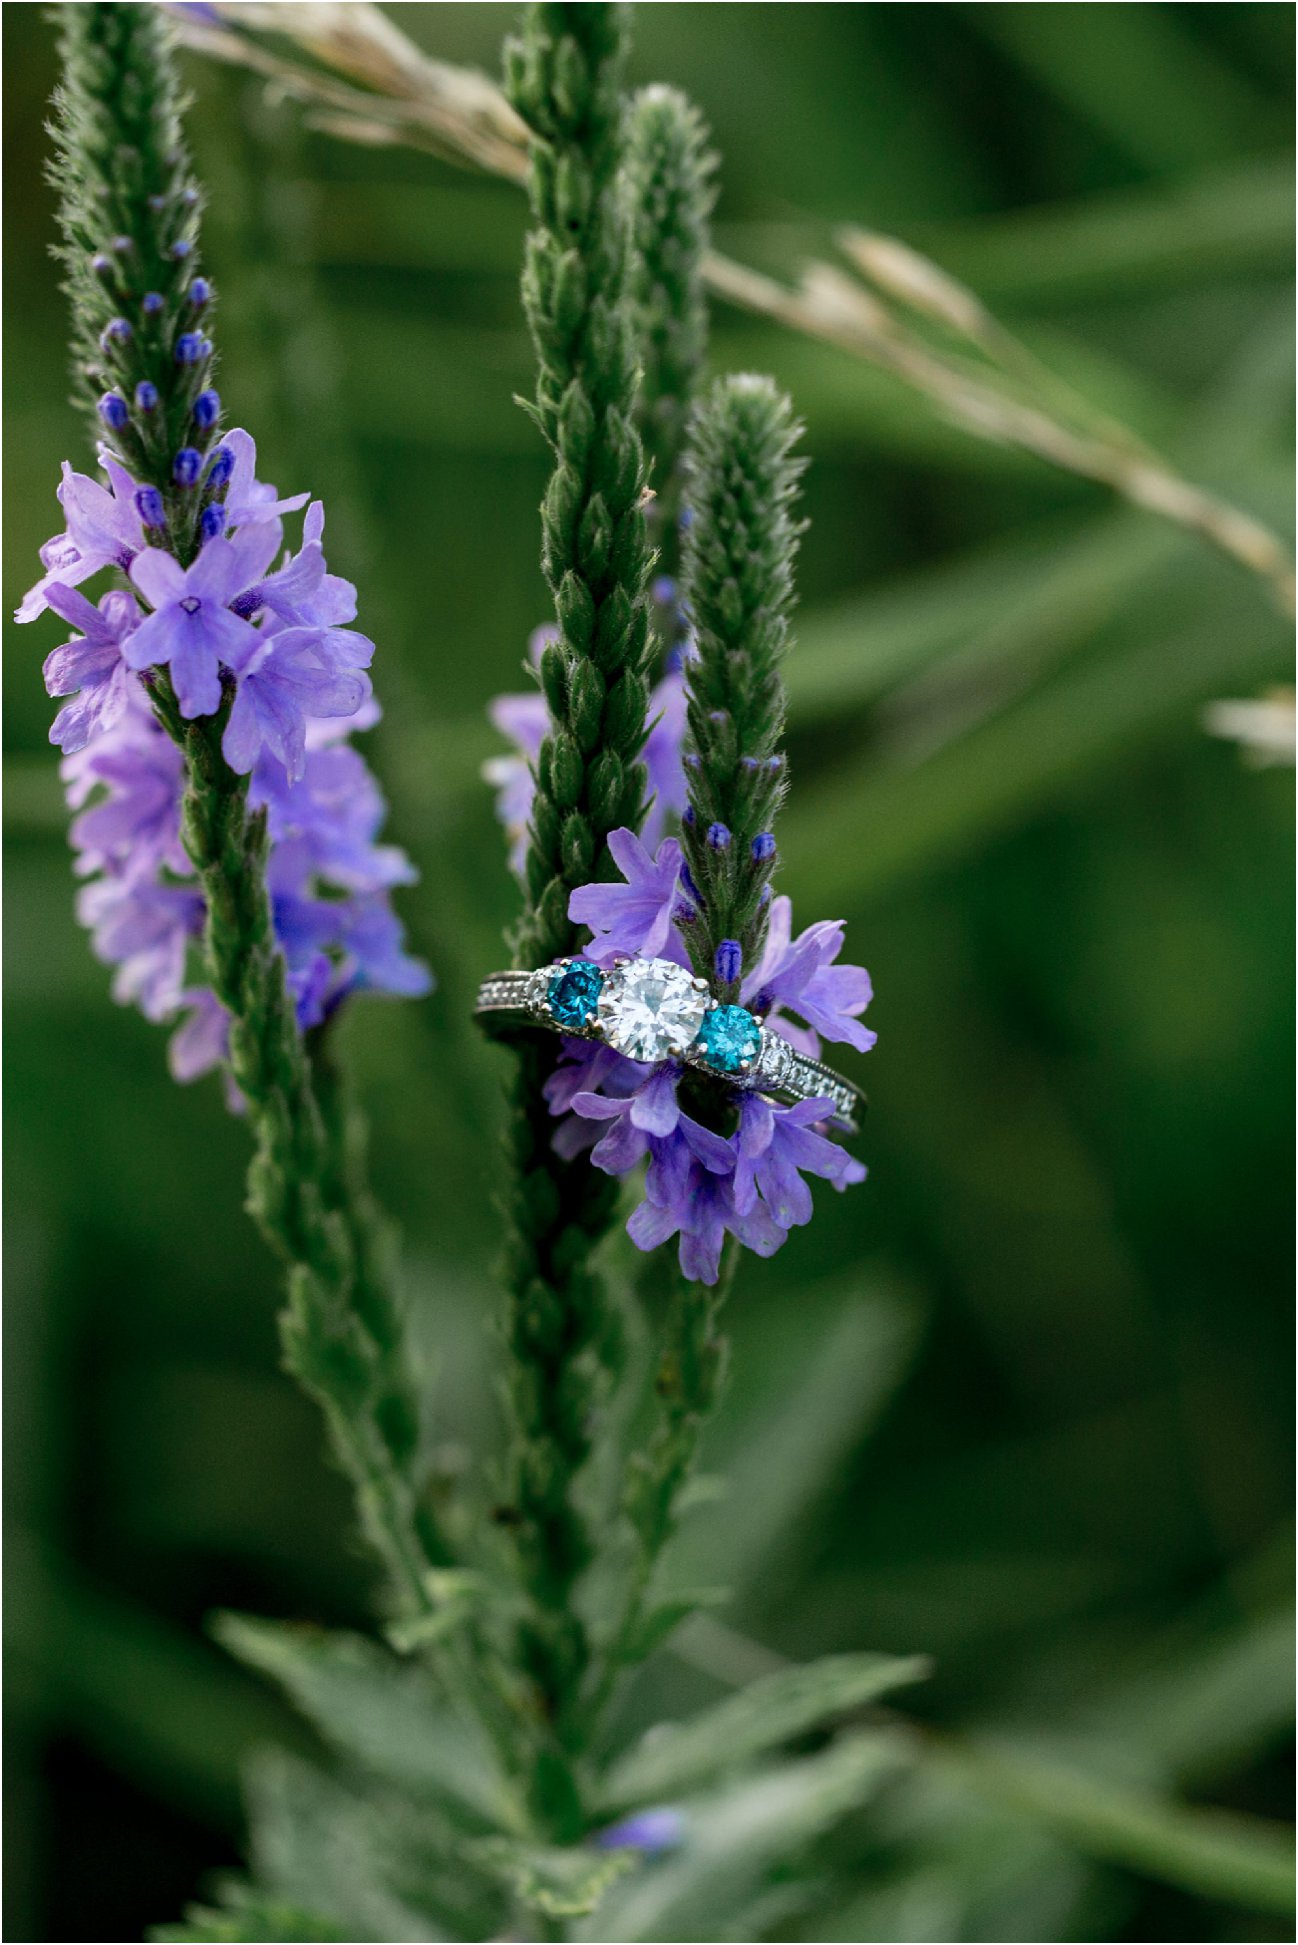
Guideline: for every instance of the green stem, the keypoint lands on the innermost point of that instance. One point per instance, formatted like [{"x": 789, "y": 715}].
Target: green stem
[
  {"x": 341, "y": 1329},
  {"x": 671, "y": 172},
  {"x": 689, "y": 1379},
  {"x": 565, "y": 78}
]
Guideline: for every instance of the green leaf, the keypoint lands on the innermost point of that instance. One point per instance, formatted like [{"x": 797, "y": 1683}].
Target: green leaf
[
  {"x": 561, "y": 1883},
  {"x": 674, "y": 1759},
  {"x": 1242, "y": 1860},
  {"x": 245, "y": 1913},
  {"x": 381, "y": 1712},
  {"x": 667, "y": 1615},
  {"x": 376, "y": 1863},
  {"x": 735, "y": 1838}
]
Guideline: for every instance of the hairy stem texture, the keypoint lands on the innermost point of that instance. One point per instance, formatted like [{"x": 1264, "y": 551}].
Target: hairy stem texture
[
  {"x": 739, "y": 554},
  {"x": 670, "y": 172},
  {"x": 564, "y": 77}
]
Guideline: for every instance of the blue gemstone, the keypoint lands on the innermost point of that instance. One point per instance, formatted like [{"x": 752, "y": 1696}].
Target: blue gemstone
[
  {"x": 573, "y": 992},
  {"x": 729, "y": 1038}
]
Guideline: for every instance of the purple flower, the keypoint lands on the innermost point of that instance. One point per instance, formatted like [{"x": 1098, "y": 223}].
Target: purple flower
[
  {"x": 191, "y": 627},
  {"x": 698, "y": 1204},
  {"x": 634, "y": 917},
  {"x": 374, "y": 956},
  {"x": 330, "y": 603},
  {"x": 799, "y": 973},
  {"x": 774, "y": 1144},
  {"x": 524, "y": 719},
  {"x": 282, "y": 683},
  {"x": 281, "y": 634},
  {"x": 700, "y": 1185},
  {"x": 202, "y": 1039},
  {"x": 89, "y": 667},
  {"x": 290, "y": 592},
  {"x": 649, "y": 1831},
  {"x": 249, "y": 500},
  {"x": 103, "y": 530},
  {"x": 332, "y": 816},
  {"x": 662, "y": 755},
  {"x": 136, "y": 774},
  {"x": 144, "y": 929}
]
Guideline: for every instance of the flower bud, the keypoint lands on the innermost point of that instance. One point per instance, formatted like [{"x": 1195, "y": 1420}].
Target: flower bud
[
  {"x": 199, "y": 292},
  {"x": 152, "y": 302},
  {"x": 189, "y": 348},
  {"x": 718, "y": 837},
  {"x": 113, "y": 411},
  {"x": 186, "y": 466},
  {"x": 180, "y": 249},
  {"x": 763, "y": 847},
  {"x": 211, "y": 523},
  {"x": 729, "y": 961},
  {"x": 220, "y": 469},
  {"x": 146, "y": 396},
  {"x": 207, "y": 409},
  {"x": 148, "y": 504}
]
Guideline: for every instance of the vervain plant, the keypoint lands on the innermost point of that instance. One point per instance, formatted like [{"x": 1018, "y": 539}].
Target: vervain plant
[{"x": 228, "y": 833}]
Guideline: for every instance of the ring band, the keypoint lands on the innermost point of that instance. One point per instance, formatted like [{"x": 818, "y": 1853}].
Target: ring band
[{"x": 652, "y": 1010}]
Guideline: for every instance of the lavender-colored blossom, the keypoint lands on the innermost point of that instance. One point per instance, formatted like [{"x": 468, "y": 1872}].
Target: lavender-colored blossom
[
  {"x": 800, "y": 974},
  {"x": 280, "y": 635},
  {"x": 202, "y": 1039},
  {"x": 587, "y": 1067},
  {"x": 192, "y": 628},
  {"x": 375, "y": 959},
  {"x": 688, "y": 1199},
  {"x": 144, "y": 928},
  {"x": 649, "y": 1831},
  {"x": 131, "y": 778},
  {"x": 700, "y": 1185},
  {"x": 248, "y": 499},
  {"x": 663, "y": 762},
  {"x": 103, "y": 530},
  {"x": 289, "y": 592},
  {"x": 90, "y": 667},
  {"x": 329, "y": 604},
  {"x": 773, "y": 1145},
  {"x": 635, "y": 917},
  {"x": 282, "y": 683}
]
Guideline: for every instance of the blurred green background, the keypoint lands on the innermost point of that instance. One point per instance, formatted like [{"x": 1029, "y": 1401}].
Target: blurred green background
[{"x": 1024, "y": 1401}]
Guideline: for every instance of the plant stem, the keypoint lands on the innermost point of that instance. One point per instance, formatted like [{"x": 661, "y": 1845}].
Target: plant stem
[
  {"x": 671, "y": 174},
  {"x": 739, "y": 557},
  {"x": 564, "y": 77},
  {"x": 690, "y": 1375},
  {"x": 341, "y": 1329}
]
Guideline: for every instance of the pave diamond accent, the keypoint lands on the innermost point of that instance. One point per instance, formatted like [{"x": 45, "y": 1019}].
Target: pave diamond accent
[{"x": 650, "y": 1009}]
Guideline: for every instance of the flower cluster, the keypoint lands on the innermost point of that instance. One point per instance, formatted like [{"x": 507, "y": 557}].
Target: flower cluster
[
  {"x": 270, "y": 633},
  {"x": 700, "y": 1184}
]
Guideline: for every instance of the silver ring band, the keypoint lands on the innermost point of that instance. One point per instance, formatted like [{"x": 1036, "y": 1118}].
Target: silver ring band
[{"x": 652, "y": 1010}]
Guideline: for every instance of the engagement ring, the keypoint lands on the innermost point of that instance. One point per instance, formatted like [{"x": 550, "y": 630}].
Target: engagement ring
[{"x": 653, "y": 1010}]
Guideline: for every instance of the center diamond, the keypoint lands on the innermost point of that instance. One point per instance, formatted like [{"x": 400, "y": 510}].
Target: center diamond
[{"x": 650, "y": 1009}]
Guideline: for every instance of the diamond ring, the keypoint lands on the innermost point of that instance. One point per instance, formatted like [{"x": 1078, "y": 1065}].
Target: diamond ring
[{"x": 652, "y": 1010}]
